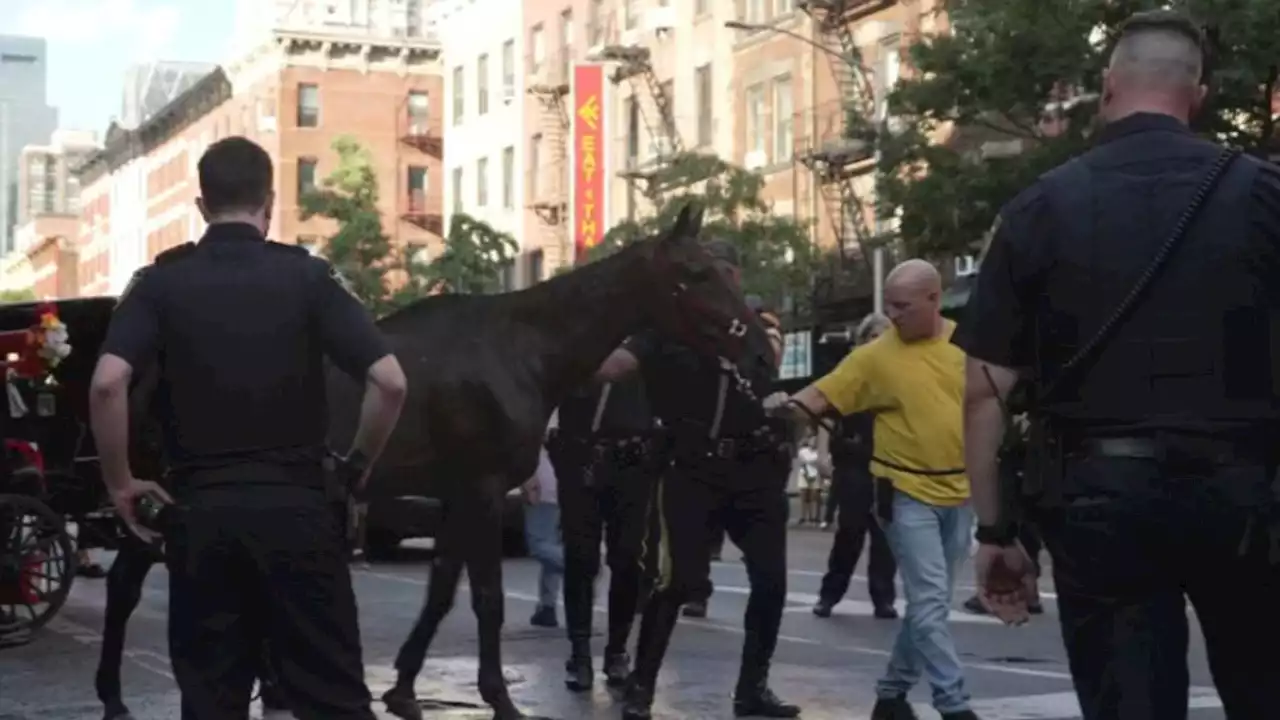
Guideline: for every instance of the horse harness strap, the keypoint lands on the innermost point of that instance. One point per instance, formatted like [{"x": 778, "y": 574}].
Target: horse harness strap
[
  {"x": 722, "y": 393},
  {"x": 601, "y": 404},
  {"x": 831, "y": 430}
]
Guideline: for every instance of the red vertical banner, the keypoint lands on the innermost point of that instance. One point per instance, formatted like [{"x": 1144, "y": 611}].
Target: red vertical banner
[{"x": 588, "y": 158}]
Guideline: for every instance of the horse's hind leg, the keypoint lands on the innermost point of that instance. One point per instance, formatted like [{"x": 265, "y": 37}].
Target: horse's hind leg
[
  {"x": 124, "y": 592},
  {"x": 442, "y": 586}
]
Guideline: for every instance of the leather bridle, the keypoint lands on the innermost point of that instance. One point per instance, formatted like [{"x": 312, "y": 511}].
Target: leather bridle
[{"x": 695, "y": 309}]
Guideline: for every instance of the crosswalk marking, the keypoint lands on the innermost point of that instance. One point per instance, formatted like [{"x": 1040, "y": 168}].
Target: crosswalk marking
[
  {"x": 1051, "y": 706},
  {"x": 853, "y": 606}
]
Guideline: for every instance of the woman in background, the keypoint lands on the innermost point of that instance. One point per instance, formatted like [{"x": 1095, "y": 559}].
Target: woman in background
[{"x": 542, "y": 534}]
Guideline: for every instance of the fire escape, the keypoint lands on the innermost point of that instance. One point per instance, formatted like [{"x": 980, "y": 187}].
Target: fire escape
[
  {"x": 415, "y": 131},
  {"x": 635, "y": 65},
  {"x": 839, "y": 162},
  {"x": 550, "y": 201}
]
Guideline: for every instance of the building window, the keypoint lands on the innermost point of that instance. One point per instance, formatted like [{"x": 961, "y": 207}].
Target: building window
[
  {"x": 783, "y": 122},
  {"x": 535, "y": 157},
  {"x": 419, "y": 111},
  {"x": 782, "y": 7},
  {"x": 595, "y": 28},
  {"x": 459, "y": 97},
  {"x": 508, "y": 178},
  {"x": 887, "y": 75},
  {"x": 756, "y": 11},
  {"x": 482, "y": 182},
  {"x": 566, "y": 45},
  {"x": 537, "y": 49},
  {"x": 308, "y": 106},
  {"x": 629, "y": 14},
  {"x": 703, "y": 89},
  {"x": 482, "y": 84},
  {"x": 797, "y": 360},
  {"x": 457, "y": 189},
  {"x": 509, "y": 68},
  {"x": 700, "y": 7},
  {"x": 417, "y": 182},
  {"x": 755, "y": 119},
  {"x": 306, "y": 176},
  {"x": 535, "y": 266},
  {"x": 633, "y": 131}
]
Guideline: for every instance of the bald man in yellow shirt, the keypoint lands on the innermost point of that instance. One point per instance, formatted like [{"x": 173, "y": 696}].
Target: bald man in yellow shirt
[{"x": 912, "y": 378}]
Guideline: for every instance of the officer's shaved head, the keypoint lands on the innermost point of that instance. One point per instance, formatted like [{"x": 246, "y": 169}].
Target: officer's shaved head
[
  {"x": 1157, "y": 66},
  {"x": 912, "y": 299}
]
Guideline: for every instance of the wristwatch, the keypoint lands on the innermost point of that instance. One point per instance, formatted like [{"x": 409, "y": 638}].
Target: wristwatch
[{"x": 1002, "y": 535}]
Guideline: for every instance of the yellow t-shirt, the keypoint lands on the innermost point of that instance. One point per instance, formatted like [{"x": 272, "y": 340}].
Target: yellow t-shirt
[{"x": 916, "y": 391}]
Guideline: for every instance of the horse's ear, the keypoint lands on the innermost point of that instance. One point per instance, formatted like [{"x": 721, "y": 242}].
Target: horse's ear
[{"x": 688, "y": 223}]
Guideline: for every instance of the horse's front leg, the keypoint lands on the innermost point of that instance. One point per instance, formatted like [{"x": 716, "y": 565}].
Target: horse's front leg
[
  {"x": 124, "y": 592},
  {"x": 442, "y": 586},
  {"x": 484, "y": 572}
]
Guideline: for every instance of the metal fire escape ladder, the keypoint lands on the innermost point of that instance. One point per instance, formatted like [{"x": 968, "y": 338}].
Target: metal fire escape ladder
[
  {"x": 636, "y": 64},
  {"x": 551, "y": 205},
  {"x": 839, "y": 163}
]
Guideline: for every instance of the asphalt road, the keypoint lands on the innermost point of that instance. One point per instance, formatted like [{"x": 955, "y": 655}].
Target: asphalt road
[{"x": 829, "y": 666}]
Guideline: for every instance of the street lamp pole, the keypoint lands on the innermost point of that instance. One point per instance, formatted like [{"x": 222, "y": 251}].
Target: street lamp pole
[{"x": 877, "y": 253}]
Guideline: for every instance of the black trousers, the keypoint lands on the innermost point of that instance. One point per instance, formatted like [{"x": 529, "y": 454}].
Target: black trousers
[
  {"x": 603, "y": 497},
  {"x": 856, "y": 495},
  {"x": 1134, "y": 540},
  {"x": 748, "y": 499},
  {"x": 249, "y": 564}
]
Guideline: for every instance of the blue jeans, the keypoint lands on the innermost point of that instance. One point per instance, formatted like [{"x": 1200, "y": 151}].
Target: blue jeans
[
  {"x": 542, "y": 534},
  {"x": 930, "y": 544}
]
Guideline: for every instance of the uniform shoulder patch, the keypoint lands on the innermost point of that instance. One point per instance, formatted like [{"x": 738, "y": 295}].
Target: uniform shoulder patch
[{"x": 176, "y": 252}]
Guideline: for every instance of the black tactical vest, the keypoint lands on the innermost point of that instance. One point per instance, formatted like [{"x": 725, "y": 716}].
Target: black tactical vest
[{"x": 1197, "y": 353}]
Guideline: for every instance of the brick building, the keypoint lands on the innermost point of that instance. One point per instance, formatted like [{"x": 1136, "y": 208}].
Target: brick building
[{"x": 294, "y": 94}]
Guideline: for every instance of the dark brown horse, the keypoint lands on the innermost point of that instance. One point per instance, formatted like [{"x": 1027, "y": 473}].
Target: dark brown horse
[{"x": 485, "y": 373}]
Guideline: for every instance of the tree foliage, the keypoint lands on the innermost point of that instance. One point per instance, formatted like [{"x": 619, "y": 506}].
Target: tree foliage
[
  {"x": 777, "y": 255},
  {"x": 384, "y": 274},
  {"x": 1003, "y": 63},
  {"x": 17, "y": 296}
]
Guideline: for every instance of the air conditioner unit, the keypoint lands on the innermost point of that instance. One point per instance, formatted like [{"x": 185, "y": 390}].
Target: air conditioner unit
[
  {"x": 755, "y": 160},
  {"x": 660, "y": 19}
]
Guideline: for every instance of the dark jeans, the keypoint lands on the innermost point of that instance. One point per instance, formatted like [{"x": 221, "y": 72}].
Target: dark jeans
[
  {"x": 255, "y": 564},
  {"x": 856, "y": 496},
  {"x": 1134, "y": 540},
  {"x": 612, "y": 503}
]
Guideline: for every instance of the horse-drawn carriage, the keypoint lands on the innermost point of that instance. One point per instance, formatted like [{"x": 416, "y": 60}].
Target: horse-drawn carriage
[{"x": 50, "y": 478}]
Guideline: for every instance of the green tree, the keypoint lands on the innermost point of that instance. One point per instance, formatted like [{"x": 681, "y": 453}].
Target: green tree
[
  {"x": 386, "y": 275},
  {"x": 992, "y": 78},
  {"x": 473, "y": 259},
  {"x": 777, "y": 255},
  {"x": 17, "y": 296}
]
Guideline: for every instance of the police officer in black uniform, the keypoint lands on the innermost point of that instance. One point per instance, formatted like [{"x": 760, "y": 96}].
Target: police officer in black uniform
[
  {"x": 603, "y": 451},
  {"x": 239, "y": 328},
  {"x": 1157, "y": 450},
  {"x": 728, "y": 460},
  {"x": 850, "y": 450}
]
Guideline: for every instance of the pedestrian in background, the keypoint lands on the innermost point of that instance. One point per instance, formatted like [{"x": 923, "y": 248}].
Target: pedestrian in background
[
  {"x": 542, "y": 535},
  {"x": 238, "y": 328},
  {"x": 1138, "y": 287}
]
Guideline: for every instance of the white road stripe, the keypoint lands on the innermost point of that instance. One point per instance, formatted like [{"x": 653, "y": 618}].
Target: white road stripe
[{"x": 1052, "y": 706}]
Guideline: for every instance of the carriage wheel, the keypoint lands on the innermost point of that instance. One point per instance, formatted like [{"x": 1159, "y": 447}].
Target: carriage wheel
[{"x": 37, "y": 563}]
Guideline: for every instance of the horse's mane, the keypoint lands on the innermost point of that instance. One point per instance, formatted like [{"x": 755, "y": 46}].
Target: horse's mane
[{"x": 425, "y": 305}]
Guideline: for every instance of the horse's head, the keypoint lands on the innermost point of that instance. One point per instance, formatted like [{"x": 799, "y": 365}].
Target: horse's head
[{"x": 700, "y": 296}]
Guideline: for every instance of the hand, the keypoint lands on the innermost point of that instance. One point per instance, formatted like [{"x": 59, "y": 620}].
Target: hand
[
  {"x": 774, "y": 402},
  {"x": 532, "y": 490},
  {"x": 126, "y": 499},
  {"x": 1002, "y": 574}
]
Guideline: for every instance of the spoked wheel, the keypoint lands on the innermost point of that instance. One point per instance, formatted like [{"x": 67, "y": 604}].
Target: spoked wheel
[{"x": 37, "y": 563}]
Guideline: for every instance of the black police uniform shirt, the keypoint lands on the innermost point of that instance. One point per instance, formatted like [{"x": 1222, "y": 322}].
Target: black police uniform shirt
[
  {"x": 684, "y": 388},
  {"x": 852, "y": 444},
  {"x": 625, "y": 412},
  {"x": 1199, "y": 353},
  {"x": 240, "y": 328}
]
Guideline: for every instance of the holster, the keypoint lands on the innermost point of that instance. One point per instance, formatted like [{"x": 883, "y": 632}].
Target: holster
[
  {"x": 347, "y": 511},
  {"x": 1044, "y": 470}
]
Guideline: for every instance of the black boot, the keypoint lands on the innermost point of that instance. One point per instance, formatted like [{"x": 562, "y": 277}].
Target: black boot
[
  {"x": 752, "y": 697},
  {"x": 894, "y": 708},
  {"x": 660, "y": 616},
  {"x": 579, "y": 591},
  {"x": 617, "y": 668}
]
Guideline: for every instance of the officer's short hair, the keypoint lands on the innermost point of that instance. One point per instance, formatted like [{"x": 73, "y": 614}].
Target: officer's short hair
[
  {"x": 235, "y": 174},
  {"x": 1168, "y": 22}
]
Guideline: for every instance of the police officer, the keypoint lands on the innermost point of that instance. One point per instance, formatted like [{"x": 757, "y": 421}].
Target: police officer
[
  {"x": 239, "y": 328},
  {"x": 850, "y": 451},
  {"x": 1160, "y": 441},
  {"x": 728, "y": 460},
  {"x": 603, "y": 451}
]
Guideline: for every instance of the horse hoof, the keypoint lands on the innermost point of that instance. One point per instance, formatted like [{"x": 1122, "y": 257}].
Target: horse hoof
[{"x": 403, "y": 704}]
